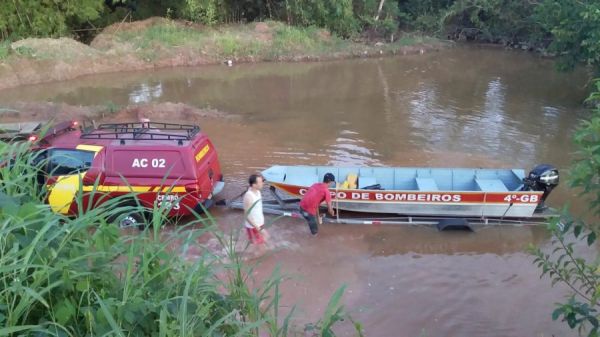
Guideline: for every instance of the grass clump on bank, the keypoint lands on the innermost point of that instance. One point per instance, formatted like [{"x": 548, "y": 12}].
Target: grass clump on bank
[
  {"x": 163, "y": 34},
  {"x": 268, "y": 41},
  {"x": 294, "y": 40},
  {"x": 261, "y": 41},
  {"x": 83, "y": 276}
]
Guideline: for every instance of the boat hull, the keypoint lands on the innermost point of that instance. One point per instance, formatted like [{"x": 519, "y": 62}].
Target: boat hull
[{"x": 521, "y": 204}]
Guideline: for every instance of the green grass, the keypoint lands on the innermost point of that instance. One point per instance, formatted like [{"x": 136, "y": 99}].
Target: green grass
[
  {"x": 291, "y": 41},
  {"x": 412, "y": 39},
  {"x": 149, "y": 42},
  {"x": 288, "y": 38},
  {"x": 228, "y": 44},
  {"x": 170, "y": 35},
  {"x": 25, "y": 51},
  {"x": 83, "y": 276},
  {"x": 4, "y": 49},
  {"x": 275, "y": 41},
  {"x": 236, "y": 41}
]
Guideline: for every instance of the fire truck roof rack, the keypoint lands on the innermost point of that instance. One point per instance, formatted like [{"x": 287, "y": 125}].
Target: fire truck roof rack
[{"x": 142, "y": 131}]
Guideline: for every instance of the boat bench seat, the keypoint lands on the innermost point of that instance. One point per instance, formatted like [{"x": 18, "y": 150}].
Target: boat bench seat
[
  {"x": 366, "y": 182},
  {"x": 426, "y": 184},
  {"x": 491, "y": 185}
]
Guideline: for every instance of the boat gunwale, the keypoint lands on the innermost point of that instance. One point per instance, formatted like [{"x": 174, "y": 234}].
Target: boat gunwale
[
  {"x": 357, "y": 170},
  {"x": 416, "y": 191}
]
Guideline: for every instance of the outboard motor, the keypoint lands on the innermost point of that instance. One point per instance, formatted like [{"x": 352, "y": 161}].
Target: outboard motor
[{"x": 543, "y": 177}]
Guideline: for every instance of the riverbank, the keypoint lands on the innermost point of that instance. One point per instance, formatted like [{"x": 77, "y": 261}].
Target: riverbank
[
  {"x": 161, "y": 43},
  {"x": 45, "y": 111}
]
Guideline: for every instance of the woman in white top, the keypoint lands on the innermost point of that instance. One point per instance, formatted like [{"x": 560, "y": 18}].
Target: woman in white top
[{"x": 253, "y": 210}]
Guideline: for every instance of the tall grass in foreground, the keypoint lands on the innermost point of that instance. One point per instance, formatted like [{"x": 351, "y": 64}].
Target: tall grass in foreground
[{"x": 83, "y": 276}]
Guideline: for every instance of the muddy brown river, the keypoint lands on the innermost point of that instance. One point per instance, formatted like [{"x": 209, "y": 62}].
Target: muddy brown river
[{"x": 461, "y": 107}]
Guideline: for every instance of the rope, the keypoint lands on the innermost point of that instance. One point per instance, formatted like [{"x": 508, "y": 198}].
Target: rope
[{"x": 337, "y": 204}]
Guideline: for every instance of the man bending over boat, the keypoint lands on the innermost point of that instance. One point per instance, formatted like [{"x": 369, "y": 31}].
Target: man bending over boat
[{"x": 316, "y": 194}]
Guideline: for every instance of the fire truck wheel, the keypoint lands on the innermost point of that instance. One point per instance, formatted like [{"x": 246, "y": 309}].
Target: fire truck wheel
[{"x": 131, "y": 218}]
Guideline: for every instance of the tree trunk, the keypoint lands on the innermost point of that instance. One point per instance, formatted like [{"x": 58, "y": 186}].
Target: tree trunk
[{"x": 379, "y": 9}]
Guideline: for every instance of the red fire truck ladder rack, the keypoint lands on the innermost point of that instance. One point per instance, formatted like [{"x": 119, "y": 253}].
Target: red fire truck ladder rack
[{"x": 141, "y": 130}]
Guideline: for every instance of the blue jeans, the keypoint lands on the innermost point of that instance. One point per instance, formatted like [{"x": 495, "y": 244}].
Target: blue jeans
[{"x": 313, "y": 224}]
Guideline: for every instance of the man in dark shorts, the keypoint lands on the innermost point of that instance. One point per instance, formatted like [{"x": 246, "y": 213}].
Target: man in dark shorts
[{"x": 316, "y": 194}]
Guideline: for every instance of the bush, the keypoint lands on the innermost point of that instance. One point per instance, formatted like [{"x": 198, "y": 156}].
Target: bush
[
  {"x": 569, "y": 263},
  {"x": 495, "y": 21},
  {"x": 422, "y": 15},
  {"x": 336, "y": 15},
  {"x": 384, "y": 23},
  {"x": 20, "y": 18},
  {"x": 574, "y": 30},
  {"x": 202, "y": 11}
]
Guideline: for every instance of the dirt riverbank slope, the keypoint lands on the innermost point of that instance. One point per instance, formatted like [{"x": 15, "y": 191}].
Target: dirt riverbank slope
[{"x": 160, "y": 43}]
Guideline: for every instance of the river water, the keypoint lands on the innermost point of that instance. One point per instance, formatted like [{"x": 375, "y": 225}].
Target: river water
[{"x": 460, "y": 107}]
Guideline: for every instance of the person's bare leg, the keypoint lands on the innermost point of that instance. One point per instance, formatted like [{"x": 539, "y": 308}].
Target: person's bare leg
[{"x": 267, "y": 238}]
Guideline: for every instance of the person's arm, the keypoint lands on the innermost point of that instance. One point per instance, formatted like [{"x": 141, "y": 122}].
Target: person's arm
[
  {"x": 328, "y": 201},
  {"x": 247, "y": 208}
]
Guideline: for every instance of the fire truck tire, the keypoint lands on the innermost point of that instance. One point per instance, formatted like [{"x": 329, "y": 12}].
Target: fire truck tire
[{"x": 131, "y": 218}]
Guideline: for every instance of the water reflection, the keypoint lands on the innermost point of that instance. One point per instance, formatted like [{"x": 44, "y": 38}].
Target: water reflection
[
  {"x": 146, "y": 93},
  {"x": 352, "y": 151},
  {"x": 499, "y": 240},
  {"x": 465, "y": 101},
  {"x": 429, "y": 119},
  {"x": 493, "y": 114}
]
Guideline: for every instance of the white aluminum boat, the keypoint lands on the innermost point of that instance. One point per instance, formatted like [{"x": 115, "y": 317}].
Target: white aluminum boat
[{"x": 454, "y": 192}]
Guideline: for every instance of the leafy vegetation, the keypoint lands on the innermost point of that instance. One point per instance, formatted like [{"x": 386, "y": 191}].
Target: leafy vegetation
[
  {"x": 23, "y": 18},
  {"x": 83, "y": 276},
  {"x": 502, "y": 21},
  {"x": 200, "y": 11},
  {"x": 573, "y": 261},
  {"x": 570, "y": 29},
  {"x": 336, "y": 15},
  {"x": 573, "y": 27}
]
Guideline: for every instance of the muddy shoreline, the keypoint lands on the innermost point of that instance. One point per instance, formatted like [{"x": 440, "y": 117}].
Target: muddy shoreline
[
  {"x": 28, "y": 72},
  {"x": 46, "y": 111},
  {"x": 159, "y": 43}
]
